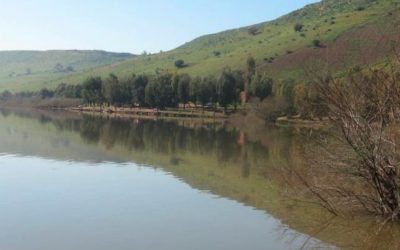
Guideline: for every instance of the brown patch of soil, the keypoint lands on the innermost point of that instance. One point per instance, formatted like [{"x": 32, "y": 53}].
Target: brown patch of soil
[{"x": 363, "y": 45}]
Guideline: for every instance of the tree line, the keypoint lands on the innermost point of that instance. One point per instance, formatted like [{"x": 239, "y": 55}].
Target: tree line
[
  {"x": 164, "y": 90},
  {"x": 268, "y": 97}
]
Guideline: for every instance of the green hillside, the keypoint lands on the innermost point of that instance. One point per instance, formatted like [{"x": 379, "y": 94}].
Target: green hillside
[
  {"x": 276, "y": 46},
  {"x": 21, "y": 70}
]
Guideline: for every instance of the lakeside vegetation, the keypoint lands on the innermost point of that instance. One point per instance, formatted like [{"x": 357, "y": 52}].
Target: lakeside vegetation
[{"x": 249, "y": 90}]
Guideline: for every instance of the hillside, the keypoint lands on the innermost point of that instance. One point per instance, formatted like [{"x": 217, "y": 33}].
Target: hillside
[
  {"x": 338, "y": 30},
  {"x": 25, "y": 70}
]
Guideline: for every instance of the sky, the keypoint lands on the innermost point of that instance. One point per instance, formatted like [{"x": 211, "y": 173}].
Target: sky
[{"x": 127, "y": 25}]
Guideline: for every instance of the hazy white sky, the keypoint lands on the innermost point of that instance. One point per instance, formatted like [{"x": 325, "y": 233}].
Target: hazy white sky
[{"x": 126, "y": 25}]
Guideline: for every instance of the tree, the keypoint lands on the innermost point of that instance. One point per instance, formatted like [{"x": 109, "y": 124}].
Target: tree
[
  {"x": 70, "y": 69},
  {"x": 180, "y": 64},
  {"x": 226, "y": 88},
  {"x": 302, "y": 101},
  {"x": 194, "y": 91},
  {"x": 150, "y": 93},
  {"x": 251, "y": 67},
  {"x": 298, "y": 27},
  {"x": 206, "y": 90},
  {"x": 317, "y": 43},
  {"x": 58, "y": 67},
  {"x": 270, "y": 109},
  {"x": 254, "y": 31},
  {"x": 261, "y": 86},
  {"x": 251, "y": 70},
  {"x": 117, "y": 92},
  {"x": 6, "y": 95},
  {"x": 159, "y": 92},
  {"x": 68, "y": 91},
  {"x": 138, "y": 89},
  {"x": 240, "y": 85},
  {"x": 91, "y": 90},
  {"x": 110, "y": 89},
  {"x": 365, "y": 108},
  {"x": 46, "y": 93},
  {"x": 285, "y": 89},
  {"x": 124, "y": 95},
  {"x": 184, "y": 89}
]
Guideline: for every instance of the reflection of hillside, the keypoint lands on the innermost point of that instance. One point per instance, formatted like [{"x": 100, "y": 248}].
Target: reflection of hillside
[{"x": 241, "y": 166}]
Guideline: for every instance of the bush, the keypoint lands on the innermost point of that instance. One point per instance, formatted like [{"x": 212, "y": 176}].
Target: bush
[
  {"x": 298, "y": 27},
  {"x": 217, "y": 53},
  {"x": 180, "y": 64},
  {"x": 253, "y": 31},
  {"x": 364, "y": 108},
  {"x": 317, "y": 43}
]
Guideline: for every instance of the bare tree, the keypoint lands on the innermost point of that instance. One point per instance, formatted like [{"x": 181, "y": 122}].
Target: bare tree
[{"x": 366, "y": 108}]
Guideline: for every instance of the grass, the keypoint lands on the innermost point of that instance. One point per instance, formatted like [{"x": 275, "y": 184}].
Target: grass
[
  {"x": 14, "y": 66},
  {"x": 325, "y": 21}
]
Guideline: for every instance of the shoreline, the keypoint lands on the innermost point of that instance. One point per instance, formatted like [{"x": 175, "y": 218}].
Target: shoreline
[
  {"x": 152, "y": 114},
  {"x": 194, "y": 114}
]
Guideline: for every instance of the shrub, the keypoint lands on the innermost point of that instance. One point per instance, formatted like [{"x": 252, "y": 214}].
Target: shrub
[
  {"x": 217, "y": 53},
  {"x": 180, "y": 64},
  {"x": 298, "y": 27},
  {"x": 317, "y": 43},
  {"x": 253, "y": 31}
]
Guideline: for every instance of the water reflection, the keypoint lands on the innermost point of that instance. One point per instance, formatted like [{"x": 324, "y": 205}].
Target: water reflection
[{"x": 217, "y": 158}]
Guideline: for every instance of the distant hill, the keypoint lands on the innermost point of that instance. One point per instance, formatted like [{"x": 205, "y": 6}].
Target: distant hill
[
  {"x": 341, "y": 31},
  {"x": 26, "y": 70}
]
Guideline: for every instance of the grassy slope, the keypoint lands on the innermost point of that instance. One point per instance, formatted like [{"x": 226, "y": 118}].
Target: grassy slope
[
  {"x": 275, "y": 39},
  {"x": 13, "y": 66}
]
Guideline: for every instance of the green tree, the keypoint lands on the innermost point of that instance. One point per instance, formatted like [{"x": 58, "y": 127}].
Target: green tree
[
  {"x": 159, "y": 92},
  {"x": 240, "y": 85},
  {"x": 298, "y": 27},
  {"x": 251, "y": 71},
  {"x": 261, "y": 86},
  {"x": 227, "y": 88},
  {"x": 207, "y": 91},
  {"x": 138, "y": 89},
  {"x": 110, "y": 89},
  {"x": 180, "y": 64},
  {"x": 91, "y": 90},
  {"x": 184, "y": 89},
  {"x": 46, "y": 93},
  {"x": 6, "y": 95},
  {"x": 251, "y": 67},
  {"x": 288, "y": 95},
  {"x": 117, "y": 92}
]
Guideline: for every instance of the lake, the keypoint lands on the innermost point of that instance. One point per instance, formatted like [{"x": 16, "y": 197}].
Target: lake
[{"x": 73, "y": 181}]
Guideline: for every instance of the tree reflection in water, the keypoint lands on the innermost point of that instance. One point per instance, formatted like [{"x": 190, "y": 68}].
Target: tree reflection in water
[{"x": 258, "y": 167}]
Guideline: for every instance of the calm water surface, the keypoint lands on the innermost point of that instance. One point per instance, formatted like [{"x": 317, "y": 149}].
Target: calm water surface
[{"x": 79, "y": 182}]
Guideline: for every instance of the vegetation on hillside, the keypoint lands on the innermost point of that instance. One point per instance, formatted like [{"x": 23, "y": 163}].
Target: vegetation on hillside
[
  {"x": 32, "y": 70},
  {"x": 280, "y": 47},
  {"x": 166, "y": 90}
]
